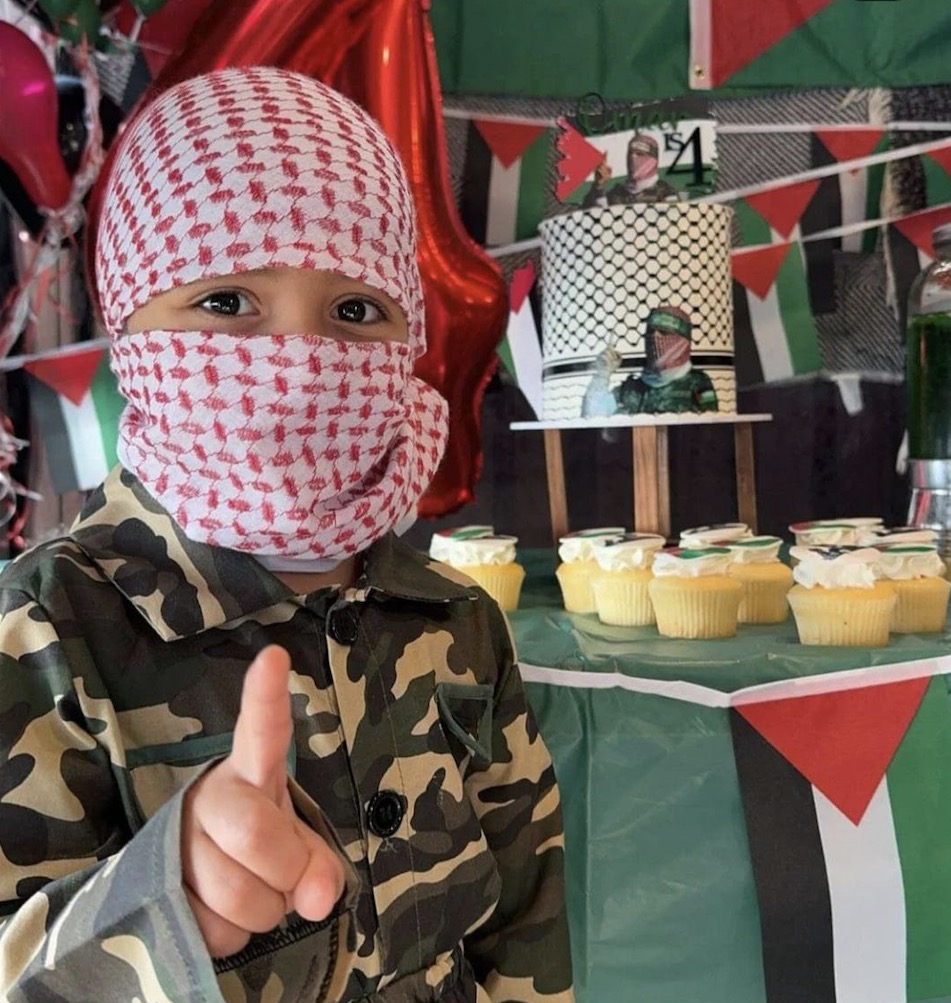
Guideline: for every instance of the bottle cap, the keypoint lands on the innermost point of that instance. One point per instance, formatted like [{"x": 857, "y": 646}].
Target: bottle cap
[{"x": 941, "y": 234}]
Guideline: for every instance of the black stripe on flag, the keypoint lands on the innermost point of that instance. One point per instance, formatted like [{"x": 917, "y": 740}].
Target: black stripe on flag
[
  {"x": 749, "y": 370},
  {"x": 905, "y": 266},
  {"x": 788, "y": 869},
  {"x": 476, "y": 173},
  {"x": 44, "y": 403},
  {"x": 823, "y": 212}
]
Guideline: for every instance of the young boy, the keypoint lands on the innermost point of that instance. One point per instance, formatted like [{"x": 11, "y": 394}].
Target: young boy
[{"x": 254, "y": 748}]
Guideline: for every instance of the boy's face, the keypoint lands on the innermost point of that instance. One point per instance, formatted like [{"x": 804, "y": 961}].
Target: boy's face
[{"x": 276, "y": 301}]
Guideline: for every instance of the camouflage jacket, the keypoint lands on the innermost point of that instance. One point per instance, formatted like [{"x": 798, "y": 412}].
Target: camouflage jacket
[{"x": 122, "y": 652}]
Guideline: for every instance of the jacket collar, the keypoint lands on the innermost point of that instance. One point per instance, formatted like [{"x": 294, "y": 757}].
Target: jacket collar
[{"x": 181, "y": 587}]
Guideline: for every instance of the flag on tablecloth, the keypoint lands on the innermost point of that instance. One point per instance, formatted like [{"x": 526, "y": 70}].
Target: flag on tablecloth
[
  {"x": 774, "y": 331},
  {"x": 835, "y": 786},
  {"x": 77, "y": 405},
  {"x": 816, "y": 43},
  {"x": 504, "y": 180}
]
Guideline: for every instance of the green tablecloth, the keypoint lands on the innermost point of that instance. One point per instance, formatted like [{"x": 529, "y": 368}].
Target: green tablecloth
[{"x": 661, "y": 897}]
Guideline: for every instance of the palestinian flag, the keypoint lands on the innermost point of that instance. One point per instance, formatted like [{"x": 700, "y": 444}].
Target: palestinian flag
[
  {"x": 774, "y": 331},
  {"x": 521, "y": 350},
  {"x": 504, "y": 181},
  {"x": 817, "y": 43},
  {"x": 848, "y": 816},
  {"x": 76, "y": 404}
]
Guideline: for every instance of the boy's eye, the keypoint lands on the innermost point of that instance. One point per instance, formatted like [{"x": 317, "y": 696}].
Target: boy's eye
[
  {"x": 227, "y": 303},
  {"x": 357, "y": 310}
]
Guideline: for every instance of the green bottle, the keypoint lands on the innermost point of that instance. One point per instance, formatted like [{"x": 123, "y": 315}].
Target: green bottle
[{"x": 928, "y": 389}]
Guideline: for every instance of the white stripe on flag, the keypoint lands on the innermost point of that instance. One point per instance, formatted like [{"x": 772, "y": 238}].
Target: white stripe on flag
[
  {"x": 853, "y": 191},
  {"x": 868, "y": 901},
  {"x": 766, "y": 319},
  {"x": 85, "y": 441},
  {"x": 522, "y": 335},
  {"x": 502, "y": 210}
]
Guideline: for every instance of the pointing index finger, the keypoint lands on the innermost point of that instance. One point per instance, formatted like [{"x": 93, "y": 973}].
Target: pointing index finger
[{"x": 262, "y": 733}]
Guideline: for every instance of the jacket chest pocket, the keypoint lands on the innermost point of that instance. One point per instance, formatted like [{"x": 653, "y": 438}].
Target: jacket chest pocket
[{"x": 156, "y": 773}]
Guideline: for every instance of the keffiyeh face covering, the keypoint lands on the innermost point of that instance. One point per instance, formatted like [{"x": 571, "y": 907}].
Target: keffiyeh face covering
[{"x": 289, "y": 445}]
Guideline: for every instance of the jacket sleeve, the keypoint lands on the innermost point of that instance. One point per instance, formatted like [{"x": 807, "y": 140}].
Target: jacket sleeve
[
  {"x": 522, "y": 952},
  {"x": 90, "y": 911}
]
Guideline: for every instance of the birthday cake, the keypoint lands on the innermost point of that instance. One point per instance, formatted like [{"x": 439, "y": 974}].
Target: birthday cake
[{"x": 637, "y": 311}]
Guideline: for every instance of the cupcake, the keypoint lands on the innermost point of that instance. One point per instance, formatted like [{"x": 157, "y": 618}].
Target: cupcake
[
  {"x": 838, "y": 599},
  {"x": 442, "y": 544},
  {"x": 832, "y": 532},
  {"x": 765, "y": 579},
  {"x": 620, "y": 583},
  {"x": 694, "y": 594},
  {"x": 490, "y": 562},
  {"x": 719, "y": 534},
  {"x": 576, "y": 551},
  {"x": 916, "y": 572},
  {"x": 879, "y": 536}
]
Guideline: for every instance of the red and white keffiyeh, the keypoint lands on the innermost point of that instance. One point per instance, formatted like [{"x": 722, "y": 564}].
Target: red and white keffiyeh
[{"x": 289, "y": 445}]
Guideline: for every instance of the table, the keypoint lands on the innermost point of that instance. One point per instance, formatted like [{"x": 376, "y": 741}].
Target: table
[
  {"x": 665, "y": 866},
  {"x": 651, "y": 470}
]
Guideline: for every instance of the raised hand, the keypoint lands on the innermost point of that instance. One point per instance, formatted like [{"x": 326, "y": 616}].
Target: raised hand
[{"x": 247, "y": 859}]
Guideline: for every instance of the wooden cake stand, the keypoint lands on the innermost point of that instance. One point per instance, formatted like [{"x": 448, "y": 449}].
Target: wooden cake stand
[{"x": 651, "y": 472}]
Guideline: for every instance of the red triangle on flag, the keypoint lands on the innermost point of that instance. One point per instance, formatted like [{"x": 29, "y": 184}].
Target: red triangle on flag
[
  {"x": 841, "y": 742},
  {"x": 521, "y": 285},
  {"x": 578, "y": 158},
  {"x": 942, "y": 157},
  {"x": 737, "y": 38},
  {"x": 507, "y": 140},
  {"x": 850, "y": 144},
  {"x": 783, "y": 207},
  {"x": 918, "y": 226},
  {"x": 756, "y": 268},
  {"x": 70, "y": 374}
]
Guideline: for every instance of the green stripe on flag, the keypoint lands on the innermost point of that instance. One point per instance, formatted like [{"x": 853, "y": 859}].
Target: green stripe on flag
[
  {"x": 637, "y": 892},
  {"x": 793, "y": 295},
  {"x": 108, "y": 403},
  {"x": 753, "y": 229},
  {"x": 874, "y": 183},
  {"x": 919, "y": 787},
  {"x": 532, "y": 180},
  {"x": 937, "y": 182}
]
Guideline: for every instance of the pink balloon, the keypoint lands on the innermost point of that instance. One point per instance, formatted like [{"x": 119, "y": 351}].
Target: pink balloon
[{"x": 29, "y": 136}]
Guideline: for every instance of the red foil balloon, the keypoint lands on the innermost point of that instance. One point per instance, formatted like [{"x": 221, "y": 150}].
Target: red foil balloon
[
  {"x": 29, "y": 126},
  {"x": 381, "y": 54}
]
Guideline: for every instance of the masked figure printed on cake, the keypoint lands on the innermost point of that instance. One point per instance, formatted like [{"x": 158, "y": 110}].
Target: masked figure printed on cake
[
  {"x": 642, "y": 183},
  {"x": 668, "y": 384}
]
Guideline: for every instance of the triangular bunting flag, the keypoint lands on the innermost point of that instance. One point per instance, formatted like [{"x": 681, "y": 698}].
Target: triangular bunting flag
[
  {"x": 508, "y": 140},
  {"x": 736, "y": 39},
  {"x": 782, "y": 207},
  {"x": 522, "y": 281},
  {"x": 942, "y": 157},
  {"x": 69, "y": 374},
  {"x": 756, "y": 268},
  {"x": 841, "y": 742},
  {"x": 917, "y": 227},
  {"x": 578, "y": 158},
  {"x": 850, "y": 144}
]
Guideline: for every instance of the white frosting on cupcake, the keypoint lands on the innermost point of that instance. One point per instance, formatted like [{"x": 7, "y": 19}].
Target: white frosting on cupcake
[
  {"x": 481, "y": 550},
  {"x": 755, "y": 550},
  {"x": 714, "y": 535},
  {"x": 634, "y": 551},
  {"x": 832, "y": 532},
  {"x": 906, "y": 562},
  {"x": 699, "y": 562},
  {"x": 442, "y": 545},
  {"x": 879, "y": 536},
  {"x": 580, "y": 546},
  {"x": 836, "y": 567}
]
